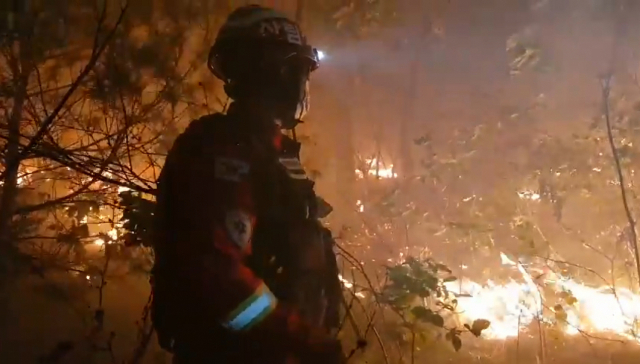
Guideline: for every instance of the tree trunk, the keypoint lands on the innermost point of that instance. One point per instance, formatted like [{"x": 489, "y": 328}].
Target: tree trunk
[
  {"x": 9, "y": 188},
  {"x": 12, "y": 151},
  {"x": 345, "y": 155},
  {"x": 300, "y": 8},
  {"x": 10, "y": 183},
  {"x": 421, "y": 38},
  {"x": 408, "y": 116}
]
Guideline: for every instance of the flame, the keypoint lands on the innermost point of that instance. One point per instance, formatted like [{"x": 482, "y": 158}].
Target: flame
[
  {"x": 350, "y": 285},
  {"x": 112, "y": 234},
  {"x": 376, "y": 169},
  {"x": 512, "y": 306},
  {"x": 25, "y": 176},
  {"x": 529, "y": 195}
]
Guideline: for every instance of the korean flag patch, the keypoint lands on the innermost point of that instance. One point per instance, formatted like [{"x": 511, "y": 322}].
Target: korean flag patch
[{"x": 238, "y": 224}]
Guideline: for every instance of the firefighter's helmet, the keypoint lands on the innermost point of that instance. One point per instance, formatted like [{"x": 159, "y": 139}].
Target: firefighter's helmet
[{"x": 259, "y": 52}]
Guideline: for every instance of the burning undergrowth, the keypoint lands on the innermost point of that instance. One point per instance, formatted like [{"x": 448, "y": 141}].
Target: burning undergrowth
[
  {"x": 534, "y": 312},
  {"x": 541, "y": 294}
]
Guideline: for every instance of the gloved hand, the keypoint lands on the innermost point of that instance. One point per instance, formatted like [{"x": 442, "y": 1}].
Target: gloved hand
[
  {"x": 328, "y": 351},
  {"x": 285, "y": 330},
  {"x": 321, "y": 349}
]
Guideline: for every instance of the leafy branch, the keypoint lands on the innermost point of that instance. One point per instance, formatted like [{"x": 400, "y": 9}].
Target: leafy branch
[{"x": 416, "y": 291}]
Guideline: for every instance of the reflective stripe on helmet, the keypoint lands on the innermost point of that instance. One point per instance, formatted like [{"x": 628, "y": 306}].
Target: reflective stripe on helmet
[
  {"x": 253, "y": 310},
  {"x": 256, "y": 17}
]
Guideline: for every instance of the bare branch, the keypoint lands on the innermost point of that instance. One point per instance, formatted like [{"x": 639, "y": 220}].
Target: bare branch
[{"x": 46, "y": 124}]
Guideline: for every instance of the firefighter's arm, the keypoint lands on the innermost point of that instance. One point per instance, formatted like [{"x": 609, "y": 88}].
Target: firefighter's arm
[{"x": 240, "y": 300}]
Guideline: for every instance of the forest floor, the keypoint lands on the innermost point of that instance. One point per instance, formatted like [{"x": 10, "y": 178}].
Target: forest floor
[{"x": 527, "y": 350}]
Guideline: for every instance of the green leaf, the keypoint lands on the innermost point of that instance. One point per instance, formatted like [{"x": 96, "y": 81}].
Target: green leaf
[
  {"x": 437, "y": 320},
  {"x": 559, "y": 313},
  {"x": 420, "y": 312},
  {"x": 423, "y": 140},
  {"x": 398, "y": 273},
  {"x": 450, "y": 279},
  {"x": 478, "y": 326},
  {"x": 443, "y": 268},
  {"x": 428, "y": 316},
  {"x": 457, "y": 343},
  {"x": 74, "y": 235},
  {"x": 403, "y": 300},
  {"x": 137, "y": 219},
  {"x": 568, "y": 298}
]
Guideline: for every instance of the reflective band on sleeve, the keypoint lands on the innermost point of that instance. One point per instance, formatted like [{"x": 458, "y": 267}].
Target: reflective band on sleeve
[
  {"x": 294, "y": 168},
  {"x": 252, "y": 310}
]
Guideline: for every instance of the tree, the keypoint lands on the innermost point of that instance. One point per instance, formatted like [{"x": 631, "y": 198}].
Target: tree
[
  {"x": 90, "y": 114},
  {"x": 29, "y": 42}
]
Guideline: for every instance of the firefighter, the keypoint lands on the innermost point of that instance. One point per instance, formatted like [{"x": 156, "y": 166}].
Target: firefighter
[{"x": 236, "y": 225}]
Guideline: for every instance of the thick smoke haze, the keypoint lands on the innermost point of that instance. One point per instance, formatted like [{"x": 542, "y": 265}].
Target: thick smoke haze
[{"x": 458, "y": 96}]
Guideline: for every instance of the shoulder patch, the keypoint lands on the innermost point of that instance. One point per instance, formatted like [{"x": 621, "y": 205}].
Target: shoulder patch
[
  {"x": 229, "y": 169},
  {"x": 238, "y": 225}
]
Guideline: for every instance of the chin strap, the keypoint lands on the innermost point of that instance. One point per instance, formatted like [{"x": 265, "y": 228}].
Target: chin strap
[{"x": 225, "y": 108}]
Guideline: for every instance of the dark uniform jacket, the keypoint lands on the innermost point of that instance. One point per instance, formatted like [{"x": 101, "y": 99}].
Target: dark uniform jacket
[{"x": 239, "y": 247}]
